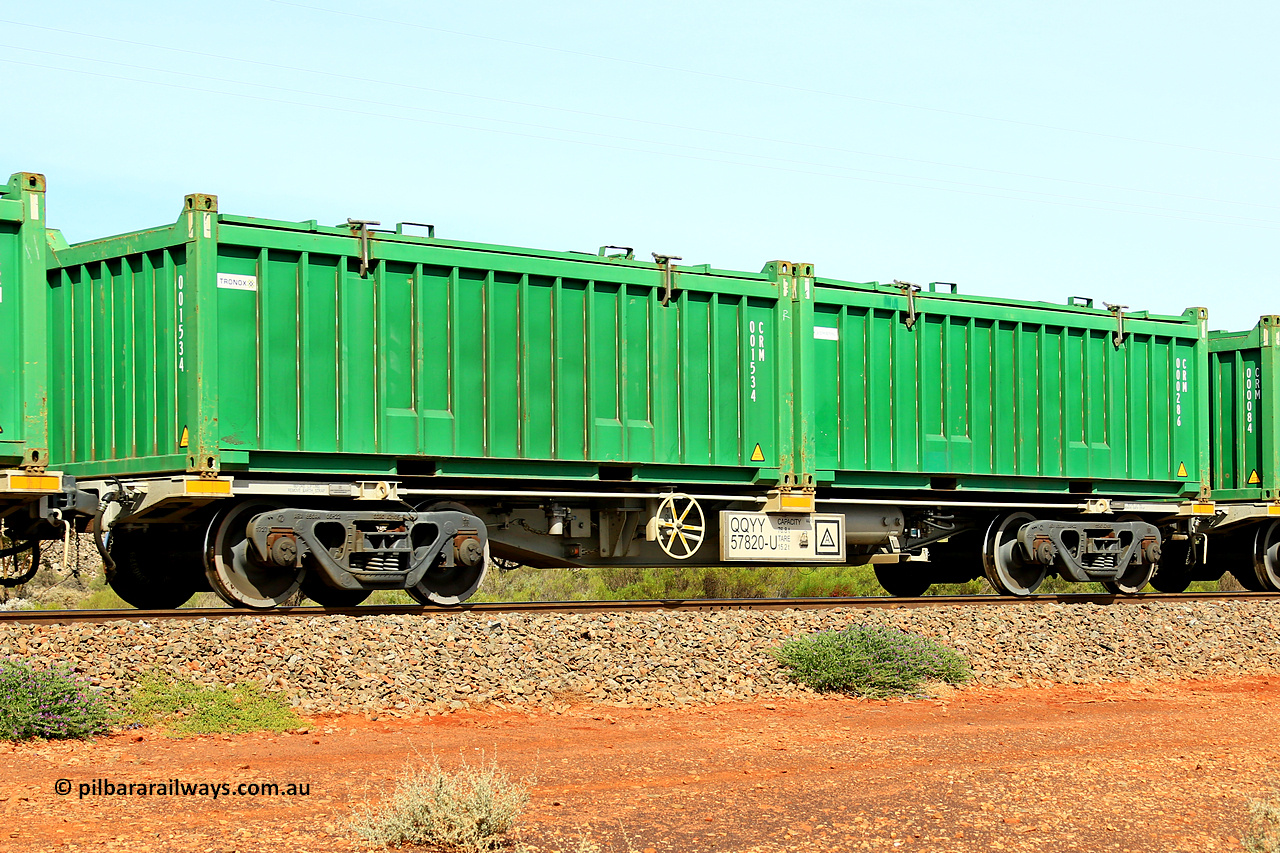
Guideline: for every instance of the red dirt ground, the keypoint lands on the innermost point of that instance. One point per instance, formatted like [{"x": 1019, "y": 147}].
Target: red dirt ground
[{"x": 1167, "y": 767}]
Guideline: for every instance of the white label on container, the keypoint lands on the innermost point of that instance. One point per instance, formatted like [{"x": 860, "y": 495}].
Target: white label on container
[
  {"x": 321, "y": 489},
  {"x": 237, "y": 282},
  {"x": 826, "y": 333},
  {"x": 784, "y": 537},
  {"x": 35, "y": 206}
]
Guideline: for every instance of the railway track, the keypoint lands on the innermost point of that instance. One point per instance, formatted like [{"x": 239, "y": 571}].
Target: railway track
[{"x": 703, "y": 605}]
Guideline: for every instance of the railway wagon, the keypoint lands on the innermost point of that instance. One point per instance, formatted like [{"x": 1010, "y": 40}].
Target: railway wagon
[
  {"x": 1037, "y": 438},
  {"x": 258, "y": 406},
  {"x": 286, "y": 405},
  {"x": 1243, "y": 534},
  {"x": 32, "y": 497}
]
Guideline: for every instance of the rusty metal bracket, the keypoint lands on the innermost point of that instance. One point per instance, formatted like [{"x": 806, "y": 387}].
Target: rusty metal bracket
[
  {"x": 668, "y": 272},
  {"x": 35, "y": 460},
  {"x": 909, "y": 290},
  {"x": 1117, "y": 310},
  {"x": 360, "y": 229}
]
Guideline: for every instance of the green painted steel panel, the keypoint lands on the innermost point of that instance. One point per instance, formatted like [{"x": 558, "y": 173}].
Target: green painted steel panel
[
  {"x": 24, "y": 376},
  {"x": 981, "y": 393},
  {"x": 268, "y": 347},
  {"x": 266, "y": 344},
  {"x": 1244, "y": 405}
]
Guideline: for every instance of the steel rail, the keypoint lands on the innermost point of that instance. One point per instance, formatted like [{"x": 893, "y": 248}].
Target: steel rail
[{"x": 56, "y": 617}]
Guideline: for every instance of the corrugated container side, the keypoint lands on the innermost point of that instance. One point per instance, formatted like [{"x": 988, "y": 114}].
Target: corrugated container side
[
  {"x": 113, "y": 324},
  {"x": 267, "y": 348},
  {"x": 1007, "y": 395},
  {"x": 23, "y": 367},
  {"x": 1243, "y": 410}
]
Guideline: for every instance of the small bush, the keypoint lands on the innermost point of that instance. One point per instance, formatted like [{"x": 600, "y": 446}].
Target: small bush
[
  {"x": 1264, "y": 835},
  {"x": 470, "y": 809},
  {"x": 870, "y": 661},
  {"x": 48, "y": 703},
  {"x": 187, "y": 708}
]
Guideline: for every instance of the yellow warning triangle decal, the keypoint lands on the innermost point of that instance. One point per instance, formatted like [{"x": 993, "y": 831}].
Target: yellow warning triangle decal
[
  {"x": 1182, "y": 470},
  {"x": 1254, "y": 478},
  {"x": 186, "y": 437},
  {"x": 757, "y": 455}
]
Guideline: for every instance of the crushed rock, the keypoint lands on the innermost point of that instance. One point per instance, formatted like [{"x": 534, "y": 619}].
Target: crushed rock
[{"x": 450, "y": 661}]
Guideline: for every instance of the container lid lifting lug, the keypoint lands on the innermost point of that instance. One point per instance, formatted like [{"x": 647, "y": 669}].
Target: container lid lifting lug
[
  {"x": 400, "y": 226},
  {"x": 909, "y": 290},
  {"x": 360, "y": 227},
  {"x": 668, "y": 272},
  {"x": 1118, "y": 310}
]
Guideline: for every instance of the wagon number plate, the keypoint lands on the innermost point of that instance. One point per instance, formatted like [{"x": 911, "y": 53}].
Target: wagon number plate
[{"x": 801, "y": 538}]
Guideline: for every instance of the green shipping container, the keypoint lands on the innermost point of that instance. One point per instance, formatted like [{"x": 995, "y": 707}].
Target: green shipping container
[
  {"x": 225, "y": 343},
  {"x": 23, "y": 300},
  {"x": 1243, "y": 412},
  {"x": 231, "y": 344},
  {"x": 940, "y": 390}
]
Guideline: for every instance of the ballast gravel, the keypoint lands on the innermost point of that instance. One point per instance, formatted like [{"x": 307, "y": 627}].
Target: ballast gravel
[{"x": 437, "y": 663}]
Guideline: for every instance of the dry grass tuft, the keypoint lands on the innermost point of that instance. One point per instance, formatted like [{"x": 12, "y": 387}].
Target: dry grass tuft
[
  {"x": 469, "y": 810},
  {"x": 1264, "y": 836}
]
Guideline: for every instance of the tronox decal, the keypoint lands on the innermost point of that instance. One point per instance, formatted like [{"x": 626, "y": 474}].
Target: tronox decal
[{"x": 237, "y": 282}]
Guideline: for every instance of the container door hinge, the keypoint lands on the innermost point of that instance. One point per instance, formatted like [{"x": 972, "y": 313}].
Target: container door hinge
[
  {"x": 360, "y": 229},
  {"x": 1117, "y": 310},
  {"x": 909, "y": 290},
  {"x": 668, "y": 273}
]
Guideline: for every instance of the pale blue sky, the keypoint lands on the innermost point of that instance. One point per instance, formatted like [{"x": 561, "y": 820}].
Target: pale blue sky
[{"x": 1120, "y": 150}]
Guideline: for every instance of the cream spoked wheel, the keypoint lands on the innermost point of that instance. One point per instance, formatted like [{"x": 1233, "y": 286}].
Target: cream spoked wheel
[{"x": 681, "y": 527}]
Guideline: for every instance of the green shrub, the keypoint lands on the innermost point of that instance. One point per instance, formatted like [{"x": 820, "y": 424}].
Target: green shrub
[
  {"x": 48, "y": 703},
  {"x": 470, "y": 809},
  {"x": 187, "y": 708},
  {"x": 870, "y": 661}
]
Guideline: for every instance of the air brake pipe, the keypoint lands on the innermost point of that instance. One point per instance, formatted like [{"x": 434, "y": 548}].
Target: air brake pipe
[
  {"x": 974, "y": 504},
  {"x": 487, "y": 493}
]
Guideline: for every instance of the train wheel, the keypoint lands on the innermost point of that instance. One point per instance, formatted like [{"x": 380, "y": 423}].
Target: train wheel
[
  {"x": 1266, "y": 556},
  {"x": 314, "y": 588},
  {"x": 902, "y": 583},
  {"x": 446, "y": 586},
  {"x": 1172, "y": 574},
  {"x": 956, "y": 562},
  {"x": 234, "y": 572},
  {"x": 1002, "y": 559},
  {"x": 1136, "y": 575},
  {"x": 155, "y": 568}
]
